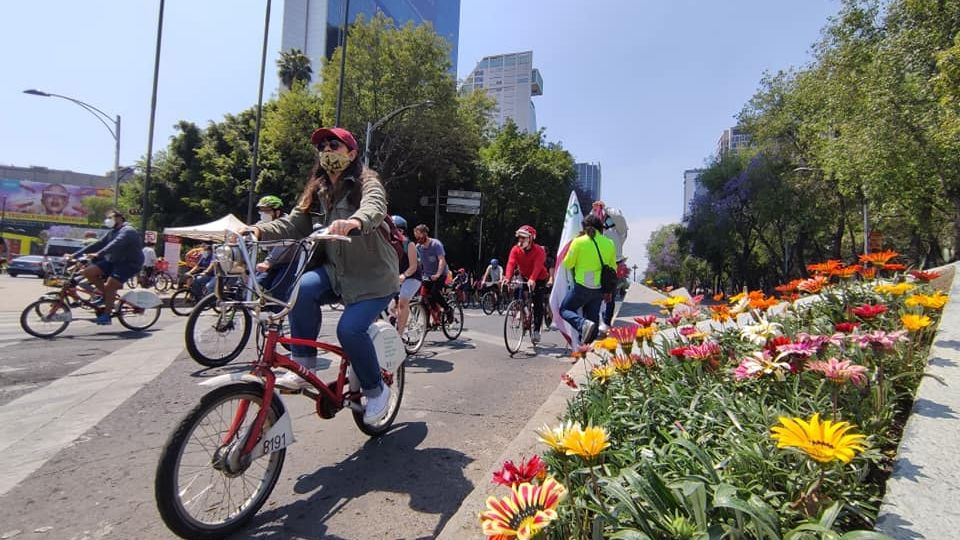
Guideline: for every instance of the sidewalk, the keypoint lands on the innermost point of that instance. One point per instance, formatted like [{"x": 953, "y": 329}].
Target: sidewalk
[{"x": 465, "y": 524}]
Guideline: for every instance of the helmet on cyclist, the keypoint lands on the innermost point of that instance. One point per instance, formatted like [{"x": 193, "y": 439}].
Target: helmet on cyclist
[
  {"x": 399, "y": 222},
  {"x": 270, "y": 201},
  {"x": 526, "y": 231},
  {"x": 494, "y": 262}
]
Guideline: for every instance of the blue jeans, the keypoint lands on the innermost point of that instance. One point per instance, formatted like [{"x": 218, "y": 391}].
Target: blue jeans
[
  {"x": 581, "y": 297},
  {"x": 305, "y": 318}
]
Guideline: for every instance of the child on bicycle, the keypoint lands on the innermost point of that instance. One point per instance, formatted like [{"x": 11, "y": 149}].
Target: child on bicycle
[
  {"x": 528, "y": 257},
  {"x": 342, "y": 195}
]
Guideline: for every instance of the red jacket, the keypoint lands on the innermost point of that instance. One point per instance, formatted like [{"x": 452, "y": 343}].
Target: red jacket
[{"x": 531, "y": 263}]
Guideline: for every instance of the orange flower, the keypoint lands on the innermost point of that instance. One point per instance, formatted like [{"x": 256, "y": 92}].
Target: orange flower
[
  {"x": 868, "y": 272},
  {"x": 925, "y": 277},
  {"x": 878, "y": 258},
  {"x": 813, "y": 285},
  {"x": 718, "y": 297},
  {"x": 788, "y": 287},
  {"x": 825, "y": 267},
  {"x": 846, "y": 272},
  {"x": 720, "y": 313},
  {"x": 894, "y": 267},
  {"x": 792, "y": 297},
  {"x": 762, "y": 303}
]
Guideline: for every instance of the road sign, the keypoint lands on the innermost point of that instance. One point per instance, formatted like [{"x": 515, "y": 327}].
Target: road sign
[
  {"x": 150, "y": 237},
  {"x": 456, "y": 193},
  {"x": 876, "y": 240},
  {"x": 459, "y": 201},
  {"x": 456, "y": 209}
]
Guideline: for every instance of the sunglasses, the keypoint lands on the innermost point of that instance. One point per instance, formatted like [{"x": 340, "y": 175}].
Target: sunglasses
[{"x": 332, "y": 144}]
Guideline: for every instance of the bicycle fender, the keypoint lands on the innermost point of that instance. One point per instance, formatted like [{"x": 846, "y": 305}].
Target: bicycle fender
[{"x": 230, "y": 378}]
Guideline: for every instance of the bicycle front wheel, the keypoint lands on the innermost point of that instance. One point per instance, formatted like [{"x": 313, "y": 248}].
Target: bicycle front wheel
[
  {"x": 415, "y": 333},
  {"x": 137, "y": 319},
  {"x": 513, "y": 327},
  {"x": 200, "y": 491},
  {"x": 45, "y": 318},
  {"x": 396, "y": 396},
  {"x": 452, "y": 329},
  {"x": 162, "y": 282},
  {"x": 488, "y": 303},
  {"x": 182, "y": 302},
  {"x": 215, "y": 335}
]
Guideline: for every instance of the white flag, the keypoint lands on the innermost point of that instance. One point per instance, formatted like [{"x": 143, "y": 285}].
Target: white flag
[{"x": 562, "y": 278}]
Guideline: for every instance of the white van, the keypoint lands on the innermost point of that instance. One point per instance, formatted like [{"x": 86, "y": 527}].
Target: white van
[{"x": 57, "y": 248}]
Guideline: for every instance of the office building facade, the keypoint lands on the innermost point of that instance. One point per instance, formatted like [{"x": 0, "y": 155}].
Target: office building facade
[
  {"x": 313, "y": 26},
  {"x": 732, "y": 140},
  {"x": 588, "y": 184},
  {"x": 511, "y": 80},
  {"x": 691, "y": 188}
]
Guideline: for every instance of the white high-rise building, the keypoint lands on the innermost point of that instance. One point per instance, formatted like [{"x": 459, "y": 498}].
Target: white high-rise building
[
  {"x": 511, "y": 80},
  {"x": 691, "y": 188}
]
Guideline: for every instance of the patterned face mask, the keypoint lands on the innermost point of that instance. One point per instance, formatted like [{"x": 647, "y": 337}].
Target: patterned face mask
[{"x": 334, "y": 162}]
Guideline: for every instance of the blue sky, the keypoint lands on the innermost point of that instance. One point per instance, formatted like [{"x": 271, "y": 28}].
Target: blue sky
[{"x": 643, "y": 87}]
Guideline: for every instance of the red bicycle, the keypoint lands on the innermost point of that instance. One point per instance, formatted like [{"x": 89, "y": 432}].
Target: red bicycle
[{"x": 221, "y": 462}]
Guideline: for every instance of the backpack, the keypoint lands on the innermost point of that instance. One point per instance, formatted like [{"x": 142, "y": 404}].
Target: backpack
[{"x": 395, "y": 238}]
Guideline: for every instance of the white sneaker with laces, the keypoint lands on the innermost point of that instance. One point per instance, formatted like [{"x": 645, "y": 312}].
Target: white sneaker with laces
[
  {"x": 292, "y": 381},
  {"x": 377, "y": 407}
]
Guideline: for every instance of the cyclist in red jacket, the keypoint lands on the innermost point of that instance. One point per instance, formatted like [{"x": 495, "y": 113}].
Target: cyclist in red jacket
[{"x": 528, "y": 257}]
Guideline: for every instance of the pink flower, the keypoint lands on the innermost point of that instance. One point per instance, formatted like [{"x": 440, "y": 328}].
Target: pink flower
[
  {"x": 840, "y": 371},
  {"x": 704, "y": 351},
  {"x": 674, "y": 320},
  {"x": 878, "y": 339},
  {"x": 800, "y": 348},
  {"x": 819, "y": 342},
  {"x": 646, "y": 320},
  {"x": 759, "y": 364},
  {"x": 527, "y": 471},
  {"x": 688, "y": 330},
  {"x": 568, "y": 380}
]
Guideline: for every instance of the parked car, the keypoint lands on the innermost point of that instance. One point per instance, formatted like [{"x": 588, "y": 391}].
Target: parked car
[{"x": 33, "y": 265}]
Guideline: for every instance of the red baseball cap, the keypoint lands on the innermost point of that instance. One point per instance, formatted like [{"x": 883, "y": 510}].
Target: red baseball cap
[{"x": 342, "y": 135}]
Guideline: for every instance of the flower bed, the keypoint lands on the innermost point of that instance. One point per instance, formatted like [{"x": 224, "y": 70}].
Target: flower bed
[{"x": 783, "y": 426}]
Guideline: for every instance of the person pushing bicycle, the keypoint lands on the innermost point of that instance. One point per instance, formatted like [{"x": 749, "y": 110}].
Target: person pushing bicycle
[{"x": 528, "y": 257}]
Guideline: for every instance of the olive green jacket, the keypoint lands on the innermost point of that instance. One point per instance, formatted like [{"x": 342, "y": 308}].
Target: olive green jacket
[{"x": 364, "y": 268}]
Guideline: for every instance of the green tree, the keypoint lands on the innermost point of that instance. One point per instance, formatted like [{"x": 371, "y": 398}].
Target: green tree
[
  {"x": 96, "y": 208},
  {"x": 293, "y": 68}
]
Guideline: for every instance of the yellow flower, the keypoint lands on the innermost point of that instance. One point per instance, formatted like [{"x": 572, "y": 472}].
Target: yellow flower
[
  {"x": 622, "y": 363},
  {"x": 824, "y": 442},
  {"x": 553, "y": 437},
  {"x": 586, "y": 443},
  {"x": 525, "y": 512},
  {"x": 934, "y": 301},
  {"x": 915, "y": 322},
  {"x": 646, "y": 334},
  {"x": 895, "y": 289},
  {"x": 609, "y": 344},
  {"x": 670, "y": 302},
  {"x": 602, "y": 373}
]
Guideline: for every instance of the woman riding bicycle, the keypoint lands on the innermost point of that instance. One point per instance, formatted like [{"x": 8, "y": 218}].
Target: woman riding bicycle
[
  {"x": 528, "y": 257},
  {"x": 342, "y": 195}
]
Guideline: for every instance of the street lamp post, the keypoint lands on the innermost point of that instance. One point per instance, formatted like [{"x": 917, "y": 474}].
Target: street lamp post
[
  {"x": 372, "y": 127},
  {"x": 103, "y": 118}
]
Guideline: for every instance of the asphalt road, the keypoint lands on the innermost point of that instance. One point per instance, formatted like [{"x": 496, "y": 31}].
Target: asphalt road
[{"x": 464, "y": 401}]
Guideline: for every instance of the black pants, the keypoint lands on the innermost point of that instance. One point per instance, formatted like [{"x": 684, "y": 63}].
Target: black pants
[
  {"x": 539, "y": 296},
  {"x": 435, "y": 293}
]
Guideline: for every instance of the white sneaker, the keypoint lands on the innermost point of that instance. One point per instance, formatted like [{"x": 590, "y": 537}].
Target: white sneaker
[
  {"x": 378, "y": 407},
  {"x": 292, "y": 381}
]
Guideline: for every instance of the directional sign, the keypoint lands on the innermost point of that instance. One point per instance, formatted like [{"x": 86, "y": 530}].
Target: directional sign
[
  {"x": 459, "y": 201},
  {"x": 456, "y": 193},
  {"x": 473, "y": 210}
]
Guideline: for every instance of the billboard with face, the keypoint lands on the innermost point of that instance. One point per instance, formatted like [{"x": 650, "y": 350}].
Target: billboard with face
[{"x": 24, "y": 200}]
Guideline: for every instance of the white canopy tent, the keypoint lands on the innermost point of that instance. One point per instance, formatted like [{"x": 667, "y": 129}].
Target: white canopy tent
[{"x": 210, "y": 232}]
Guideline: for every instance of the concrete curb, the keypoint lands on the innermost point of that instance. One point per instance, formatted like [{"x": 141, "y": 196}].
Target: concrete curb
[
  {"x": 465, "y": 522},
  {"x": 920, "y": 501}
]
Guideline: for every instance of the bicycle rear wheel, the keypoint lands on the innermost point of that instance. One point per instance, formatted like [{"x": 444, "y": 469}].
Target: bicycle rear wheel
[
  {"x": 45, "y": 318},
  {"x": 396, "y": 396},
  {"x": 513, "y": 327},
  {"x": 415, "y": 333},
  {"x": 182, "y": 302},
  {"x": 216, "y": 335},
  {"x": 200, "y": 492},
  {"x": 452, "y": 329},
  {"x": 136, "y": 318}
]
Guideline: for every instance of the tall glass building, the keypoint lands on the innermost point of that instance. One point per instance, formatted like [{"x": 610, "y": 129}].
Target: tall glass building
[
  {"x": 313, "y": 26},
  {"x": 588, "y": 184}
]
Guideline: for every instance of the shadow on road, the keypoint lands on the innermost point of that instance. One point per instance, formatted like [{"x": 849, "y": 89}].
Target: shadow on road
[{"x": 431, "y": 478}]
